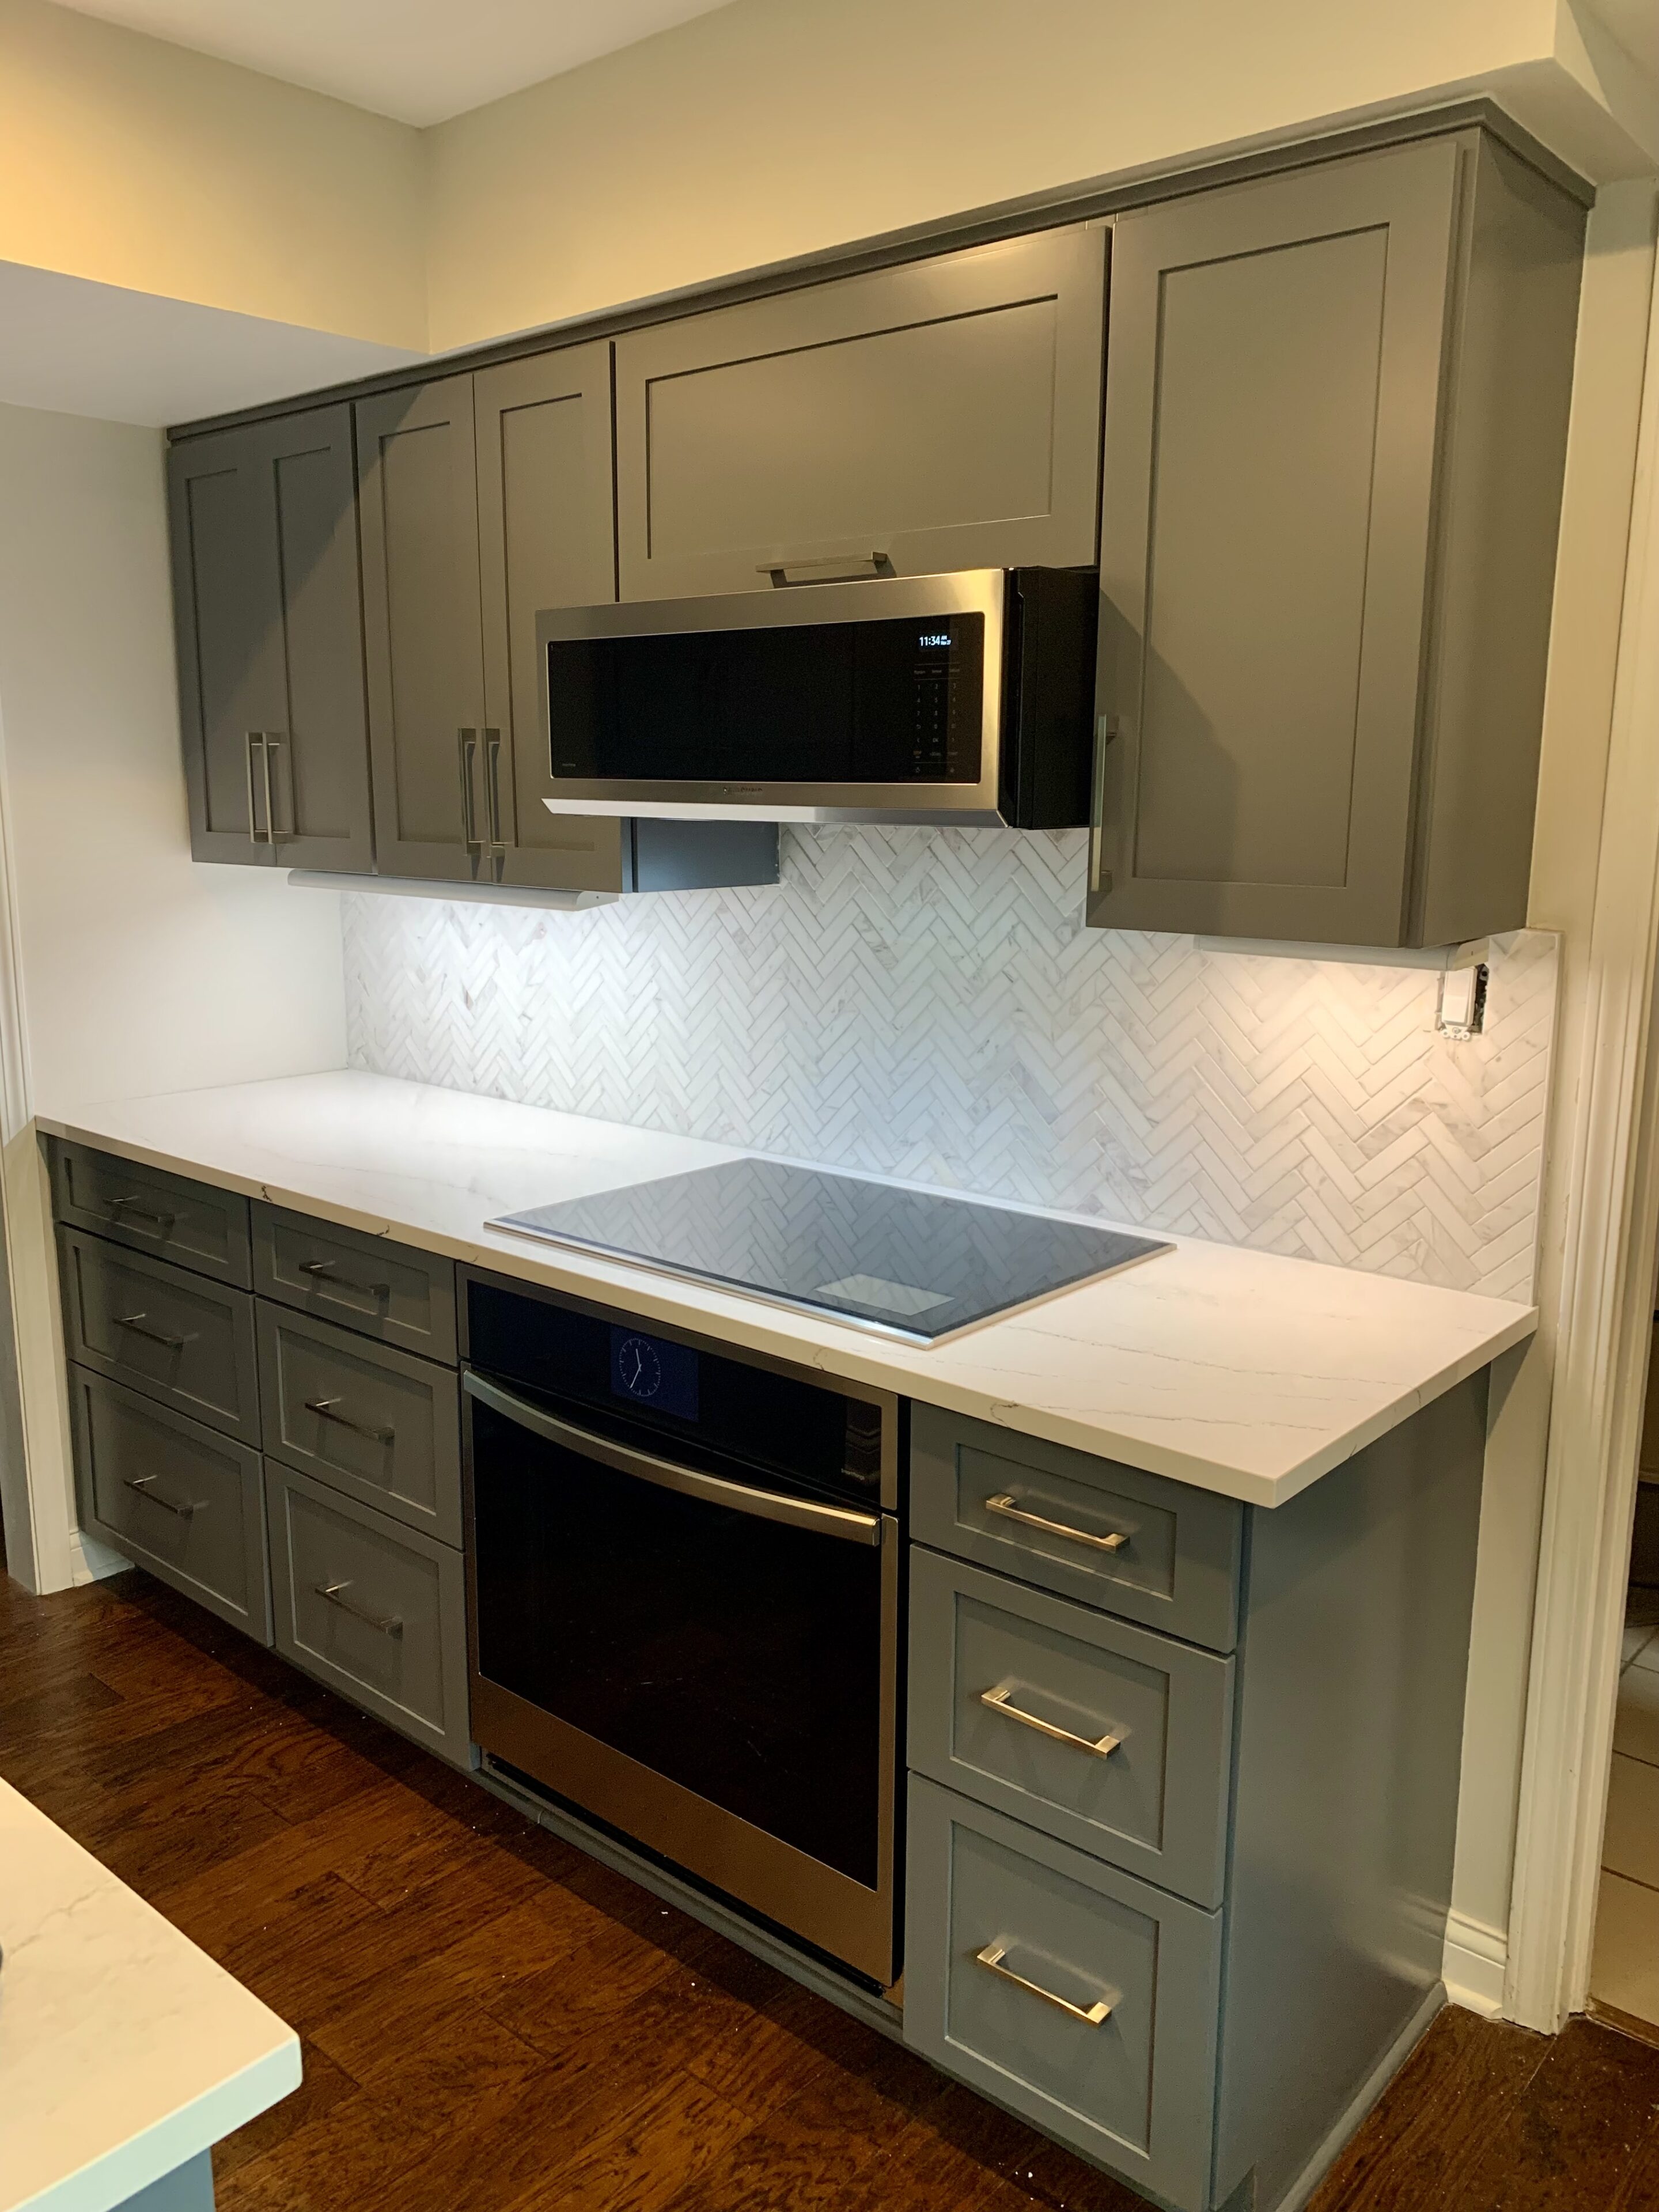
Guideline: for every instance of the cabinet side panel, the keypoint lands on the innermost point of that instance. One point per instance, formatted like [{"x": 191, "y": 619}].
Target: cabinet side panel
[
  {"x": 1350, "y": 1733},
  {"x": 1500, "y": 511}
]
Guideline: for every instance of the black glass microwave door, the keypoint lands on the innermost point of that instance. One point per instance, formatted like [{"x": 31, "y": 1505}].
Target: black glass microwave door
[
  {"x": 735, "y": 1656},
  {"x": 889, "y": 702}
]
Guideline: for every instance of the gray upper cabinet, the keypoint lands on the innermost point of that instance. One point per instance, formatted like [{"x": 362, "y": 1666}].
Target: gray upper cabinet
[
  {"x": 547, "y": 538},
  {"x": 1334, "y": 444},
  {"x": 423, "y": 630},
  {"x": 269, "y": 623},
  {"x": 944, "y": 415}
]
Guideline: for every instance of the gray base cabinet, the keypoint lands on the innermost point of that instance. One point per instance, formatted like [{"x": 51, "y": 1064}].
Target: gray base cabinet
[
  {"x": 379, "y": 1425},
  {"x": 1294, "y": 1803},
  {"x": 181, "y": 1499},
  {"x": 374, "y": 1609},
  {"x": 368, "y": 1284},
  {"x": 1066, "y": 1989},
  {"x": 1335, "y": 448},
  {"x": 1108, "y": 1737},
  {"x": 219, "y": 1438},
  {"x": 150, "y": 1210},
  {"x": 187, "y": 1341}
]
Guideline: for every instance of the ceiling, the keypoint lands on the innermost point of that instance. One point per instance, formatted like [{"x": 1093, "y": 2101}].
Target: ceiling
[{"x": 418, "y": 60}]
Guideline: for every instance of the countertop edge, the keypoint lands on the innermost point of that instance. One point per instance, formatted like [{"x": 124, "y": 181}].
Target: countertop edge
[
  {"x": 659, "y": 1298},
  {"x": 106, "y": 2183}
]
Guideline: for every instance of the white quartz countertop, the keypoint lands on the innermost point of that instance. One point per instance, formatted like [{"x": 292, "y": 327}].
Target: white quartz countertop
[
  {"x": 124, "y": 2051},
  {"x": 1239, "y": 1371}
]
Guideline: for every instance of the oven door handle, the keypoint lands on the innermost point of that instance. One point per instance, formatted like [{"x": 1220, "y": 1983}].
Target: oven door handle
[{"x": 667, "y": 1475}]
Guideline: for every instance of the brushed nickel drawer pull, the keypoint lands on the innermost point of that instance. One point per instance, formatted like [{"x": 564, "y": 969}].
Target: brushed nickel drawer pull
[
  {"x": 1098, "y": 1746},
  {"x": 1004, "y": 1503},
  {"x": 142, "y": 1484},
  {"x": 1092, "y": 2016},
  {"x": 136, "y": 1323},
  {"x": 118, "y": 1207},
  {"x": 325, "y": 1268},
  {"x": 388, "y": 1623},
  {"x": 325, "y": 1407}
]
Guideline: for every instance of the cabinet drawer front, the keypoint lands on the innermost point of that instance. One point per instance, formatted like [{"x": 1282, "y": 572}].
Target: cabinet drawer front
[
  {"x": 945, "y": 415},
  {"x": 1176, "y": 1569},
  {"x": 1154, "y": 1801},
  {"x": 379, "y": 1424},
  {"x": 389, "y": 1291},
  {"x": 179, "y": 1498},
  {"x": 996, "y": 1913},
  {"x": 176, "y": 1336},
  {"x": 203, "y": 1229},
  {"x": 375, "y": 1609}
]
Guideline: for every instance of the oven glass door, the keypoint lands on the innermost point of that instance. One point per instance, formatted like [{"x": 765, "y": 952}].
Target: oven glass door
[{"x": 738, "y": 1657}]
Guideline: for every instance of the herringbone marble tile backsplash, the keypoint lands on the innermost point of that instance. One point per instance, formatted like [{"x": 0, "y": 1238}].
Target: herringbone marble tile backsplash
[{"x": 928, "y": 1003}]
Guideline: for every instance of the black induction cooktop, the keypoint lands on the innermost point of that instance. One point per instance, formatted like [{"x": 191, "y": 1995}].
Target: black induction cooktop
[{"x": 916, "y": 1264}]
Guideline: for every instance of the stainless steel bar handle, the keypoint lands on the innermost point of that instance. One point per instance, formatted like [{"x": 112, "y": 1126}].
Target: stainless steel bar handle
[
  {"x": 324, "y": 1407},
  {"x": 136, "y": 1323},
  {"x": 118, "y": 1207},
  {"x": 667, "y": 1475},
  {"x": 327, "y": 1270},
  {"x": 826, "y": 569},
  {"x": 1098, "y": 1747},
  {"x": 256, "y": 836},
  {"x": 492, "y": 741},
  {"x": 468, "y": 751},
  {"x": 253, "y": 836},
  {"x": 1009, "y": 1507},
  {"x": 1091, "y": 2015},
  {"x": 270, "y": 742},
  {"x": 389, "y": 1624},
  {"x": 142, "y": 1484}
]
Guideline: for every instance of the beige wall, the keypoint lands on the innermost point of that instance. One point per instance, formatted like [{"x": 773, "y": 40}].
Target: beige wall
[
  {"x": 138, "y": 971},
  {"x": 773, "y": 128},
  {"x": 768, "y": 128},
  {"x": 140, "y": 164}
]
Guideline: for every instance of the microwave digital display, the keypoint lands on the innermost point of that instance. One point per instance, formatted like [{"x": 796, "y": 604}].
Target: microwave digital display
[{"x": 891, "y": 702}]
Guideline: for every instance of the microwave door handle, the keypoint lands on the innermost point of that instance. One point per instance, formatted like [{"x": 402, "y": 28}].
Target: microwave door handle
[{"x": 667, "y": 1475}]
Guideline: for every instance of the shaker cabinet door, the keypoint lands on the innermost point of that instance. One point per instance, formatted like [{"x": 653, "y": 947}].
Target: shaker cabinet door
[
  {"x": 944, "y": 415},
  {"x": 1274, "y": 371},
  {"x": 547, "y": 538},
  {"x": 422, "y": 630},
  {"x": 269, "y": 617}
]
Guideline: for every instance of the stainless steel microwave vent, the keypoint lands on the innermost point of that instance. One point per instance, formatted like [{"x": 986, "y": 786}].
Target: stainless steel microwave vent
[{"x": 965, "y": 698}]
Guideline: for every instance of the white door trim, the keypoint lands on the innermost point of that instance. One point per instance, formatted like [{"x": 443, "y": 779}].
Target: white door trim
[{"x": 1603, "y": 1325}]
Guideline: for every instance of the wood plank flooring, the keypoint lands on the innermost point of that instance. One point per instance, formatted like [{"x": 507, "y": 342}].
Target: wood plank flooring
[{"x": 494, "y": 2023}]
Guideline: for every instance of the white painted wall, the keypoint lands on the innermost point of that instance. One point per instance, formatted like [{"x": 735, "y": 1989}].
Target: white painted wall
[{"x": 138, "y": 970}]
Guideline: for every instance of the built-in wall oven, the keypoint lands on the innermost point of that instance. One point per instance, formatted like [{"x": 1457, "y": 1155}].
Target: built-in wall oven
[{"x": 683, "y": 1604}]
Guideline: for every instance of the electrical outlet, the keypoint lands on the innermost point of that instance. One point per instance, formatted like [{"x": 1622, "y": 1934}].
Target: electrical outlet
[{"x": 1462, "y": 1001}]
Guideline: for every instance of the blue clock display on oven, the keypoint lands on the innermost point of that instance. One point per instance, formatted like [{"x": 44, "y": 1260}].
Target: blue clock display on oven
[
  {"x": 638, "y": 1368},
  {"x": 653, "y": 1372}
]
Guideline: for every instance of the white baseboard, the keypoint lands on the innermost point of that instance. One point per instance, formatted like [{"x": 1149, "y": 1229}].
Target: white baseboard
[
  {"x": 1476, "y": 1959},
  {"x": 92, "y": 1562}
]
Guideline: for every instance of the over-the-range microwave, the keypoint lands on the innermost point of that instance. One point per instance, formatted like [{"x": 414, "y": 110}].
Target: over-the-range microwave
[{"x": 965, "y": 698}]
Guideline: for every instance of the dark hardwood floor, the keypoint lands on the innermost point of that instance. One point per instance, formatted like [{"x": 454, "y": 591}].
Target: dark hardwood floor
[{"x": 494, "y": 2023}]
